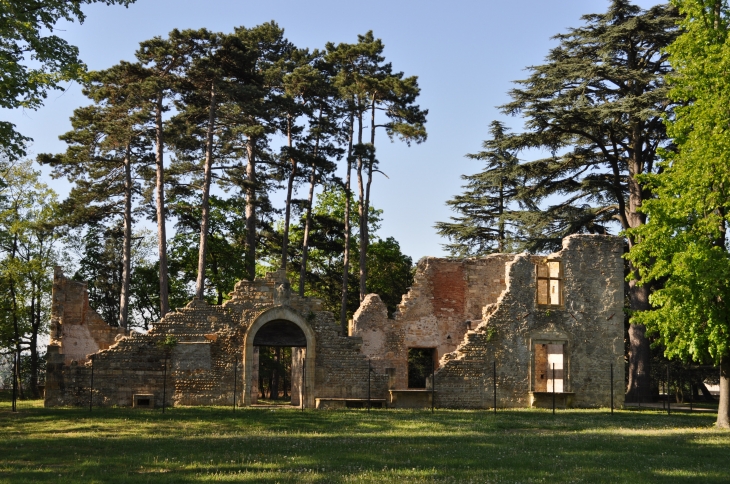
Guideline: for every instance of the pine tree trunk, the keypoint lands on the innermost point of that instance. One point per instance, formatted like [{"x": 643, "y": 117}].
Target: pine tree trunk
[
  {"x": 307, "y": 228},
  {"x": 160, "y": 194},
  {"x": 205, "y": 203},
  {"x": 639, "y": 384},
  {"x": 723, "y": 409},
  {"x": 360, "y": 208},
  {"x": 289, "y": 188},
  {"x": 250, "y": 261},
  {"x": 308, "y": 219},
  {"x": 126, "y": 241},
  {"x": 364, "y": 235},
  {"x": 346, "y": 256}
]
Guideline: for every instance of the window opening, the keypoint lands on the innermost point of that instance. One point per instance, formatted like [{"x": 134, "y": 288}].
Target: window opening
[
  {"x": 421, "y": 362},
  {"x": 549, "y": 368},
  {"x": 550, "y": 283}
]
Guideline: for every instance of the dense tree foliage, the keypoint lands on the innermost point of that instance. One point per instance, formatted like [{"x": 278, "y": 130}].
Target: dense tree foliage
[
  {"x": 33, "y": 60},
  {"x": 242, "y": 115},
  {"x": 685, "y": 242},
  {"x": 28, "y": 235},
  {"x": 390, "y": 271},
  {"x": 487, "y": 221}
]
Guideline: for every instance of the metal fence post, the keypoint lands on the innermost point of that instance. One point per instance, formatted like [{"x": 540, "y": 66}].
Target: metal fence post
[
  {"x": 91, "y": 389},
  {"x": 235, "y": 378},
  {"x": 494, "y": 381},
  {"x": 15, "y": 381},
  {"x": 369, "y": 370},
  {"x": 669, "y": 405},
  {"x": 553, "y": 388},
  {"x": 433, "y": 383},
  {"x": 164, "y": 383},
  {"x": 611, "y": 388}
]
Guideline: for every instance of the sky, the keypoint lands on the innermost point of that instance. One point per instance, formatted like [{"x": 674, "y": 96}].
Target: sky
[{"x": 466, "y": 55}]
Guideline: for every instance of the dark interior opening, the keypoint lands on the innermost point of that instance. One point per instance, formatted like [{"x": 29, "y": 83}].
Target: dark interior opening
[
  {"x": 420, "y": 366},
  {"x": 275, "y": 373},
  {"x": 143, "y": 402},
  {"x": 280, "y": 333}
]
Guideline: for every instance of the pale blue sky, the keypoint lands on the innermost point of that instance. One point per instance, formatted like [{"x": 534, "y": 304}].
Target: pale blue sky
[{"x": 465, "y": 53}]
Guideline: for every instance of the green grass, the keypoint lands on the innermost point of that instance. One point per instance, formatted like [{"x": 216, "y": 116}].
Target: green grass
[{"x": 286, "y": 445}]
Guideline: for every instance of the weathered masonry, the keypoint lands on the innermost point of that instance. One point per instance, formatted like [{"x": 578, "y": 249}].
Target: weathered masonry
[{"x": 552, "y": 324}]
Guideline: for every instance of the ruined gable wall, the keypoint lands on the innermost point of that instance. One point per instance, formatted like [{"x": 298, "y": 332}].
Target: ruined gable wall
[
  {"x": 199, "y": 367},
  {"x": 591, "y": 317},
  {"x": 445, "y": 295},
  {"x": 75, "y": 327}
]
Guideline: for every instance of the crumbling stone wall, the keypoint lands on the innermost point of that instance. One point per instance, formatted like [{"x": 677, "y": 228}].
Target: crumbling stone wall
[
  {"x": 590, "y": 325},
  {"x": 75, "y": 327},
  {"x": 200, "y": 368},
  {"x": 445, "y": 300},
  {"x": 473, "y": 312}
]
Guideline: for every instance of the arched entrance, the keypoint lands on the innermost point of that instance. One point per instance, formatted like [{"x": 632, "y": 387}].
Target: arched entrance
[{"x": 280, "y": 326}]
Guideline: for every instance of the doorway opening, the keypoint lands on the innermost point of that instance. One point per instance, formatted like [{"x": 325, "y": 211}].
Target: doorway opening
[
  {"x": 278, "y": 372},
  {"x": 421, "y": 364},
  {"x": 549, "y": 372}
]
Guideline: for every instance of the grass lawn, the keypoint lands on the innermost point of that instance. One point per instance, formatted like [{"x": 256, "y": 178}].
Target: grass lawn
[{"x": 286, "y": 445}]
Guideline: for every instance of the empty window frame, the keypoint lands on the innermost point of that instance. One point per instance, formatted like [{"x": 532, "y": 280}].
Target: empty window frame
[
  {"x": 549, "y": 368},
  {"x": 421, "y": 364},
  {"x": 550, "y": 283}
]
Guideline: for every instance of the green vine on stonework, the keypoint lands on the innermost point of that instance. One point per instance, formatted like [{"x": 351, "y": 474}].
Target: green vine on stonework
[{"x": 168, "y": 343}]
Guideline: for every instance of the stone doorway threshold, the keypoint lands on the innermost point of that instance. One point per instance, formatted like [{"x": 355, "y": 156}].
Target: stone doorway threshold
[{"x": 275, "y": 407}]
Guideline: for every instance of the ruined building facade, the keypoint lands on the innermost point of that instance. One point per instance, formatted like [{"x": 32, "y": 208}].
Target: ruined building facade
[{"x": 534, "y": 327}]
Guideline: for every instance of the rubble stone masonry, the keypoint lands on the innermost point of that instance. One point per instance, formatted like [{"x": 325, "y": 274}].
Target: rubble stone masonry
[{"x": 472, "y": 312}]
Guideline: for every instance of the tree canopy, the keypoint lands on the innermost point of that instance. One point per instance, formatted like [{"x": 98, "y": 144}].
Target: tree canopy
[
  {"x": 33, "y": 63},
  {"x": 684, "y": 245}
]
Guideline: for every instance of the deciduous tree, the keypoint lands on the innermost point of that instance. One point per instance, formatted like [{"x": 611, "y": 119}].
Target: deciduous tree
[
  {"x": 685, "y": 242},
  {"x": 33, "y": 60}
]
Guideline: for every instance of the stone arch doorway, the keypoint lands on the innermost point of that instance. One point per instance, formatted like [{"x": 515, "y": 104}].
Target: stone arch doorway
[{"x": 280, "y": 326}]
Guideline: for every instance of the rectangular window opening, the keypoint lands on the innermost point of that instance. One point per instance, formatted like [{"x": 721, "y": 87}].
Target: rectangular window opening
[
  {"x": 550, "y": 283},
  {"x": 421, "y": 363}
]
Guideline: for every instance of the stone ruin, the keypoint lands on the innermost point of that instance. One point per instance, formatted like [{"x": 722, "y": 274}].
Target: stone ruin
[{"x": 536, "y": 328}]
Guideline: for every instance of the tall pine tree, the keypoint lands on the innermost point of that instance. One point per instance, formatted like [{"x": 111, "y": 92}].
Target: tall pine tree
[
  {"x": 486, "y": 222},
  {"x": 596, "y": 105}
]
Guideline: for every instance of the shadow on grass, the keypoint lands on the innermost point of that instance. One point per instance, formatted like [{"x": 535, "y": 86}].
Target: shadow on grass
[{"x": 284, "y": 445}]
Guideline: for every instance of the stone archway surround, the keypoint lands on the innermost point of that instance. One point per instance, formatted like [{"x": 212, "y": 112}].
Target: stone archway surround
[{"x": 285, "y": 313}]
